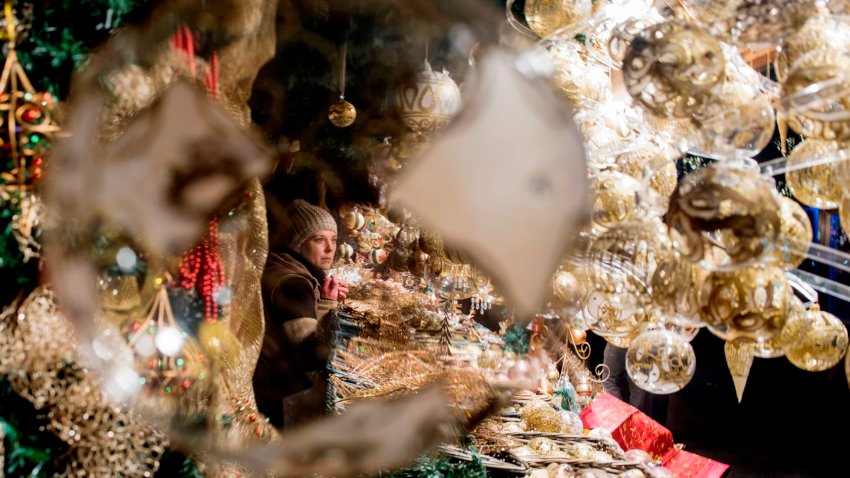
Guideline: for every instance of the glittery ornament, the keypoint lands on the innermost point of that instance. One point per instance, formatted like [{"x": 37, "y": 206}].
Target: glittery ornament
[
  {"x": 820, "y": 340},
  {"x": 539, "y": 416},
  {"x": 660, "y": 361},
  {"x": 341, "y": 113},
  {"x": 544, "y": 446},
  {"x": 750, "y": 303},
  {"x": 815, "y": 185},
  {"x": 794, "y": 238},
  {"x": 430, "y": 102},
  {"x": 739, "y": 359},
  {"x": 544, "y": 17}
]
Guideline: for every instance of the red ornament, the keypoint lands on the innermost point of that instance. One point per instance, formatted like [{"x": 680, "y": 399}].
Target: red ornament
[
  {"x": 31, "y": 114},
  {"x": 37, "y": 161},
  {"x": 186, "y": 384}
]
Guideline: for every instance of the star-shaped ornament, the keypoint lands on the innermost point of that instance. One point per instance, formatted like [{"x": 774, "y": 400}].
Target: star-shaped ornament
[{"x": 506, "y": 183}]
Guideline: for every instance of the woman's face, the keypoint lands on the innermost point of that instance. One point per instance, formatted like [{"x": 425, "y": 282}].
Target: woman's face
[{"x": 319, "y": 249}]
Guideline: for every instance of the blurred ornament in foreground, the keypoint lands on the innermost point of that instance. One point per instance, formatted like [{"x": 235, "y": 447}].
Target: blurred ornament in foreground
[
  {"x": 538, "y": 201},
  {"x": 724, "y": 208}
]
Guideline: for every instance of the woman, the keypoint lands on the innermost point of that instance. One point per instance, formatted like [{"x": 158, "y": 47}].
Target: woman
[{"x": 299, "y": 300}]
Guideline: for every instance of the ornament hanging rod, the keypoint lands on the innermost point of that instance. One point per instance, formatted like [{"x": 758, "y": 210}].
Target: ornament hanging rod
[
  {"x": 778, "y": 166},
  {"x": 824, "y": 285}
]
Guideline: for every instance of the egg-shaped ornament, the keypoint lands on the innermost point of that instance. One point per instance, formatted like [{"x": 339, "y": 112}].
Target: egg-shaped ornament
[
  {"x": 660, "y": 361},
  {"x": 341, "y": 113},
  {"x": 816, "y": 186},
  {"x": 354, "y": 220},
  {"x": 345, "y": 250},
  {"x": 794, "y": 237},
  {"x": 819, "y": 341},
  {"x": 750, "y": 303},
  {"x": 430, "y": 102},
  {"x": 544, "y": 17}
]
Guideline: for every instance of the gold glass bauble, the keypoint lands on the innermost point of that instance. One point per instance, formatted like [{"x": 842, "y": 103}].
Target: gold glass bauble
[
  {"x": 819, "y": 341},
  {"x": 546, "y": 16},
  {"x": 815, "y": 186},
  {"x": 672, "y": 68},
  {"x": 652, "y": 166},
  {"x": 660, "y": 361},
  {"x": 544, "y": 446},
  {"x": 430, "y": 102},
  {"x": 566, "y": 287},
  {"x": 342, "y": 113},
  {"x": 612, "y": 315},
  {"x": 749, "y": 303},
  {"x": 675, "y": 289},
  {"x": 577, "y": 80},
  {"x": 794, "y": 237},
  {"x": 623, "y": 259},
  {"x": 815, "y": 93},
  {"x": 740, "y": 119},
  {"x": 819, "y": 32},
  {"x": 614, "y": 198},
  {"x": 774, "y": 347},
  {"x": 724, "y": 206}
]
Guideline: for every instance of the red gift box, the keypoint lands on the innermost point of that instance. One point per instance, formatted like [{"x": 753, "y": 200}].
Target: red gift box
[{"x": 631, "y": 428}]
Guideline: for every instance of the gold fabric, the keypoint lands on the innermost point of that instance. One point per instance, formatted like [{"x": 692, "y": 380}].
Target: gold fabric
[{"x": 38, "y": 355}]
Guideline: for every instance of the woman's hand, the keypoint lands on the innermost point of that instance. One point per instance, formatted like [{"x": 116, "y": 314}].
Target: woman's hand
[{"x": 334, "y": 289}]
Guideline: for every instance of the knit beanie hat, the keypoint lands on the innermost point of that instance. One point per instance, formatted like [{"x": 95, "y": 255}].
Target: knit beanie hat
[{"x": 306, "y": 220}]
